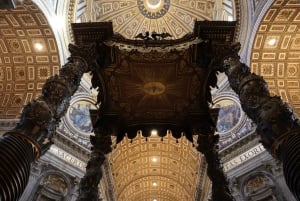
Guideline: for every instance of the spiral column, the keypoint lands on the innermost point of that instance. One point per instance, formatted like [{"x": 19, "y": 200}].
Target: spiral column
[
  {"x": 291, "y": 163},
  {"x": 207, "y": 145},
  {"x": 276, "y": 123},
  {"x": 88, "y": 186},
  {"x": 16, "y": 155},
  {"x": 33, "y": 135}
]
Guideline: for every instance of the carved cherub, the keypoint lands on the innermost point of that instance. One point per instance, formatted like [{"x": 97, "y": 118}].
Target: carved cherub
[{"x": 143, "y": 35}]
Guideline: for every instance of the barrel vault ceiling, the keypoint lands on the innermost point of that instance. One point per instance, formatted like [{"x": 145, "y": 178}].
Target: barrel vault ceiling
[
  {"x": 153, "y": 169},
  {"x": 28, "y": 56},
  {"x": 276, "y": 51}
]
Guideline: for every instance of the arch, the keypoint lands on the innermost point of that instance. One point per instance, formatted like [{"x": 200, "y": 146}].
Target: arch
[
  {"x": 259, "y": 191},
  {"x": 258, "y": 19},
  {"x": 42, "y": 189},
  {"x": 27, "y": 59},
  {"x": 58, "y": 25}
]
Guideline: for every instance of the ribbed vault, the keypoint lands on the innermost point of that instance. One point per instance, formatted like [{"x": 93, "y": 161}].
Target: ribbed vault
[
  {"x": 29, "y": 55},
  {"x": 276, "y": 51}
]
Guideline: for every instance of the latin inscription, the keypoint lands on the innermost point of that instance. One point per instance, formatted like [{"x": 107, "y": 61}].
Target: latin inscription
[
  {"x": 243, "y": 157},
  {"x": 72, "y": 160}
]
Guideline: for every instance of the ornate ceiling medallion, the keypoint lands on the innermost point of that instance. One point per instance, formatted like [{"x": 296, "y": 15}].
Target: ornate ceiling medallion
[
  {"x": 153, "y": 9},
  {"x": 154, "y": 88}
]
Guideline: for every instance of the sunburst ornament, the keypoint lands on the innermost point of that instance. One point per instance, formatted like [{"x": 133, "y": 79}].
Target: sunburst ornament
[{"x": 154, "y": 88}]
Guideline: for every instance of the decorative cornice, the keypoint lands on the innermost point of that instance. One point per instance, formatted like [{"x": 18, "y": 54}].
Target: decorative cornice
[
  {"x": 242, "y": 158},
  {"x": 68, "y": 157},
  {"x": 8, "y": 124},
  {"x": 70, "y": 145},
  {"x": 239, "y": 147},
  {"x": 146, "y": 46},
  {"x": 237, "y": 10},
  {"x": 71, "y": 17}
]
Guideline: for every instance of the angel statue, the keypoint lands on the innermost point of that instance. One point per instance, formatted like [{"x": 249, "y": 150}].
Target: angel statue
[{"x": 143, "y": 35}]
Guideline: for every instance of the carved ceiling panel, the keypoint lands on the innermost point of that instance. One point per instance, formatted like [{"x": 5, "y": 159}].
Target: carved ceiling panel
[
  {"x": 276, "y": 51},
  {"x": 29, "y": 55},
  {"x": 155, "y": 86},
  {"x": 152, "y": 169}
]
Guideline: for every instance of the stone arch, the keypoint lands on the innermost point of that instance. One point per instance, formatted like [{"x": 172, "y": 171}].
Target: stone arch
[
  {"x": 53, "y": 185},
  {"x": 259, "y": 186}
]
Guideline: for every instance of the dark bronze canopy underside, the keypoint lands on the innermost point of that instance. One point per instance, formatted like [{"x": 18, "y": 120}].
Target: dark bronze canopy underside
[{"x": 154, "y": 83}]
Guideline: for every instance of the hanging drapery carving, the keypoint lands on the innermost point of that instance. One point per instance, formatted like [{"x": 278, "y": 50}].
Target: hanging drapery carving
[
  {"x": 33, "y": 135},
  {"x": 276, "y": 123}
]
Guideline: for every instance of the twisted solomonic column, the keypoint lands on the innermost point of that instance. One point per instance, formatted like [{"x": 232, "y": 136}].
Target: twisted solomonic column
[
  {"x": 207, "y": 145},
  {"x": 88, "y": 186},
  {"x": 276, "y": 123},
  {"x": 32, "y": 137}
]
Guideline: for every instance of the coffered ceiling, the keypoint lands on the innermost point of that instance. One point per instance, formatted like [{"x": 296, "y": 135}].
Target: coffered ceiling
[
  {"x": 151, "y": 169},
  {"x": 276, "y": 51},
  {"x": 28, "y": 56},
  {"x": 155, "y": 88},
  {"x": 132, "y": 17}
]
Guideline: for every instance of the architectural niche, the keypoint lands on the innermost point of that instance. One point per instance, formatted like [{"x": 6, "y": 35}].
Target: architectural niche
[
  {"x": 259, "y": 187},
  {"x": 53, "y": 186}
]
